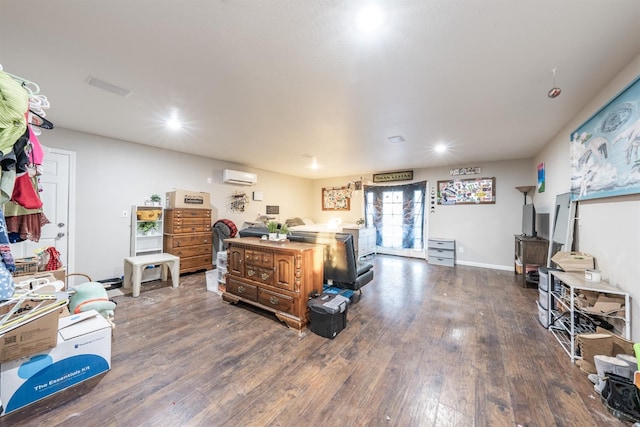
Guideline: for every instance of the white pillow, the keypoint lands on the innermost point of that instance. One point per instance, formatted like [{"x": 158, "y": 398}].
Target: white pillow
[{"x": 308, "y": 221}]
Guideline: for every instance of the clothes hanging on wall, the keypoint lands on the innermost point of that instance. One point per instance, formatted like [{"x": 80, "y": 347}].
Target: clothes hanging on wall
[{"x": 21, "y": 156}]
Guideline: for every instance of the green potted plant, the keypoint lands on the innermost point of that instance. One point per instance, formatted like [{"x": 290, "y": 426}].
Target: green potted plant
[
  {"x": 282, "y": 233},
  {"x": 155, "y": 199},
  {"x": 146, "y": 227},
  {"x": 272, "y": 227}
]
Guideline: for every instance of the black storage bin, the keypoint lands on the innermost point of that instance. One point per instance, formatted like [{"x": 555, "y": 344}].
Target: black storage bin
[{"x": 328, "y": 314}]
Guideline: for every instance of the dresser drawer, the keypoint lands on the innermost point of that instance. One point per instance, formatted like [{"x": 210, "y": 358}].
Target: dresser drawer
[
  {"x": 275, "y": 301},
  {"x": 190, "y": 228},
  {"x": 442, "y": 244},
  {"x": 194, "y": 263},
  {"x": 190, "y": 240},
  {"x": 191, "y": 213},
  {"x": 449, "y": 262},
  {"x": 242, "y": 289},
  {"x": 260, "y": 275},
  {"x": 258, "y": 258},
  {"x": 189, "y": 251},
  {"x": 441, "y": 253}
]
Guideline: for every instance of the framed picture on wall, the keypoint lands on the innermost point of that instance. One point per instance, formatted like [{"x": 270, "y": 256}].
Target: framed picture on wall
[
  {"x": 467, "y": 191},
  {"x": 335, "y": 199}
]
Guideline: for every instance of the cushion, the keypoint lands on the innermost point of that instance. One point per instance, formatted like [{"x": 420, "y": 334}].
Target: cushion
[{"x": 292, "y": 222}]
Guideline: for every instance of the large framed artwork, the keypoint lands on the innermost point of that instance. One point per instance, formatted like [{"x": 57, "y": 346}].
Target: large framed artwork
[
  {"x": 467, "y": 191},
  {"x": 335, "y": 199},
  {"x": 604, "y": 150}
]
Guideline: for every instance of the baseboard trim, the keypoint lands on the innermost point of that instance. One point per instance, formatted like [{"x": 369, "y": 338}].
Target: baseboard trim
[{"x": 483, "y": 265}]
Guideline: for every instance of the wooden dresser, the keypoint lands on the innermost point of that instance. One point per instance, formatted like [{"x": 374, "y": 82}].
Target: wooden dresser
[
  {"x": 275, "y": 276},
  {"x": 188, "y": 235}
]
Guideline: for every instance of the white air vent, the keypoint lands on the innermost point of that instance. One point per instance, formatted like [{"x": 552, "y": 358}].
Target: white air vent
[
  {"x": 240, "y": 178},
  {"x": 101, "y": 84}
]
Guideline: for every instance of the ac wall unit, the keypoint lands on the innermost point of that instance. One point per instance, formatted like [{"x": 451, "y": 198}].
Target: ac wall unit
[{"x": 239, "y": 178}]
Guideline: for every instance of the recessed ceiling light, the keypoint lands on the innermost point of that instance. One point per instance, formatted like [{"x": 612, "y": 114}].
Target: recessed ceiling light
[
  {"x": 174, "y": 122},
  {"x": 369, "y": 19},
  {"x": 396, "y": 139},
  {"x": 441, "y": 148}
]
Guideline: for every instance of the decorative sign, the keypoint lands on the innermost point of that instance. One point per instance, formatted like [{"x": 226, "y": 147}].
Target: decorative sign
[
  {"x": 273, "y": 210},
  {"x": 393, "y": 176},
  {"x": 336, "y": 199},
  {"x": 464, "y": 171},
  {"x": 467, "y": 191}
]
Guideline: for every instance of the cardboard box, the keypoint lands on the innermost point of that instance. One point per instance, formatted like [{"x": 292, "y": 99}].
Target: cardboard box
[
  {"x": 573, "y": 261},
  {"x": 38, "y": 334},
  {"x": 188, "y": 199},
  {"x": 83, "y": 351}
]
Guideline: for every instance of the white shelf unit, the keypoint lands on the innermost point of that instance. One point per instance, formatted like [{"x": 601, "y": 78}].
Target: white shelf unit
[
  {"x": 147, "y": 243},
  {"x": 567, "y": 324}
]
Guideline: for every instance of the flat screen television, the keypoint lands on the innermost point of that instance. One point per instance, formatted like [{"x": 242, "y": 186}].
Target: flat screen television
[{"x": 529, "y": 220}]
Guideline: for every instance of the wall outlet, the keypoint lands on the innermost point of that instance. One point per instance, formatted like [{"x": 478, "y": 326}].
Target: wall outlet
[{"x": 461, "y": 249}]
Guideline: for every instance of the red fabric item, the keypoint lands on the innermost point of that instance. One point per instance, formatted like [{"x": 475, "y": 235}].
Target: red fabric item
[
  {"x": 25, "y": 194},
  {"x": 54, "y": 259}
]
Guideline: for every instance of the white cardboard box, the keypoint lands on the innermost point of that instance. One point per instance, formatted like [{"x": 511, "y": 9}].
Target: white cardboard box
[{"x": 83, "y": 351}]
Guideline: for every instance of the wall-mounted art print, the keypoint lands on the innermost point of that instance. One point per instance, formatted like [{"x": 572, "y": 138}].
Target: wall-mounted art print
[
  {"x": 335, "y": 199},
  {"x": 467, "y": 191},
  {"x": 605, "y": 158},
  {"x": 541, "y": 178}
]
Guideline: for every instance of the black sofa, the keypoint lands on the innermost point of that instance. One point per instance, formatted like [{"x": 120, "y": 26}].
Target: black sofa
[{"x": 340, "y": 264}]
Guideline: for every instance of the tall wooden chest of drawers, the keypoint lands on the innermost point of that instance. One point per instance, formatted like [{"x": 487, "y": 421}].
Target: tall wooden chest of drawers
[
  {"x": 275, "y": 276},
  {"x": 188, "y": 235}
]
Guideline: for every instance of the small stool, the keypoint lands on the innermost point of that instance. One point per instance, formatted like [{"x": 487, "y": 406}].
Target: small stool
[{"x": 134, "y": 265}]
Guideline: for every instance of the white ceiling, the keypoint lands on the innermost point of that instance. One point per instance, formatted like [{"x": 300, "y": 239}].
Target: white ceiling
[{"x": 269, "y": 84}]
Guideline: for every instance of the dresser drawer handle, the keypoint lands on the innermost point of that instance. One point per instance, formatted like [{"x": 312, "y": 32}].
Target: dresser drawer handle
[
  {"x": 274, "y": 300},
  {"x": 264, "y": 276},
  {"x": 250, "y": 273},
  {"x": 242, "y": 290}
]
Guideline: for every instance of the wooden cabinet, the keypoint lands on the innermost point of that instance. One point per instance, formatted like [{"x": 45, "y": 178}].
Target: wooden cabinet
[
  {"x": 188, "y": 235},
  {"x": 364, "y": 240},
  {"x": 532, "y": 252},
  {"x": 442, "y": 252},
  {"x": 279, "y": 277}
]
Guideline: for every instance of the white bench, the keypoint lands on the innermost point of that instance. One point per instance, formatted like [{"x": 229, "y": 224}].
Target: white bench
[{"x": 133, "y": 267}]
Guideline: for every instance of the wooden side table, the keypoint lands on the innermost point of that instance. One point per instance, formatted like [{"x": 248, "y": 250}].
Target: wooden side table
[{"x": 529, "y": 250}]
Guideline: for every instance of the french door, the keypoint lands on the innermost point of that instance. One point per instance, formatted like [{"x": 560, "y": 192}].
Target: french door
[{"x": 397, "y": 213}]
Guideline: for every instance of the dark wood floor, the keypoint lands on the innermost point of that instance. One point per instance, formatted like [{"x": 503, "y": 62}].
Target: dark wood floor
[{"x": 425, "y": 346}]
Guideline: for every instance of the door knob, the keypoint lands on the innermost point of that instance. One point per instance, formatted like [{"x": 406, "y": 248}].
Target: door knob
[{"x": 60, "y": 235}]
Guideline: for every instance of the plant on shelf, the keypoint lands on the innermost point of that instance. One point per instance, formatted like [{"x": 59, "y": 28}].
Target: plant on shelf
[
  {"x": 147, "y": 227},
  {"x": 155, "y": 199}
]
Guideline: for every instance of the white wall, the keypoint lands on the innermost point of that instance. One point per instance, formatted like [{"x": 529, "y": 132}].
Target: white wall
[
  {"x": 485, "y": 232},
  {"x": 113, "y": 175},
  {"x": 608, "y": 229}
]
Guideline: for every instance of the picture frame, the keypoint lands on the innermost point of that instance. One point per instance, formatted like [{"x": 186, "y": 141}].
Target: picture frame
[
  {"x": 335, "y": 199},
  {"x": 604, "y": 155},
  {"x": 474, "y": 191}
]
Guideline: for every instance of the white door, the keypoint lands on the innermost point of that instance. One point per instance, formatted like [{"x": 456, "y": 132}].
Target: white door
[{"x": 55, "y": 182}]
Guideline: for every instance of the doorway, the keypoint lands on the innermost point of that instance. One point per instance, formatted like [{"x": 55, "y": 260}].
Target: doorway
[
  {"x": 57, "y": 199},
  {"x": 397, "y": 213}
]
